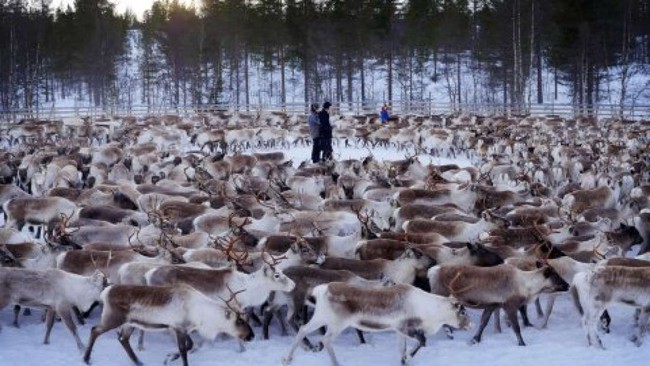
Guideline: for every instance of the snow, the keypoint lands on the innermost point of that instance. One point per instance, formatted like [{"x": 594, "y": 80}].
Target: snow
[
  {"x": 563, "y": 343},
  {"x": 303, "y": 153}
]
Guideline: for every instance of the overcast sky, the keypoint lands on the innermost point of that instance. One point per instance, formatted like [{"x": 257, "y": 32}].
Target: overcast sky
[{"x": 136, "y": 6}]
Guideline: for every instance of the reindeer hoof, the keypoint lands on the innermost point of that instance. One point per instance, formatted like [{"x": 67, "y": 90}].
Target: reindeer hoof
[
  {"x": 287, "y": 360},
  {"x": 636, "y": 340},
  {"x": 474, "y": 341},
  {"x": 170, "y": 358},
  {"x": 449, "y": 333},
  {"x": 318, "y": 347},
  {"x": 521, "y": 344},
  {"x": 405, "y": 360}
]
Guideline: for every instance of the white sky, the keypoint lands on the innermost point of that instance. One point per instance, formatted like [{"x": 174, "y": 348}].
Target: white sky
[{"x": 136, "y": 6}]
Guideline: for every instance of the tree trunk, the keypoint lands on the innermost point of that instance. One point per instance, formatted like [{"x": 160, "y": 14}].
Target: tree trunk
[
  {"x": 362, "y": 77},
  {"x": 283, "y": 90},
  {"x": 538, "y": 52},
  {"x": 305, "y": 68},
  {"x": 390, "y": 75},
  {"x": 459, "y": 89},
  {"x": 246, "y": 89},
  {"x": 349, "y": 77}
]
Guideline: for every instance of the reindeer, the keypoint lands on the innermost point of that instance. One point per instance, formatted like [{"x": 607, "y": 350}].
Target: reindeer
[
  {"x": 54, "y": 290},
  {"x": 582, "y": 200},
  {"x": 401, "y": 270},
  {"x": 454, "y": 230},
  {"x": 491, "y": 288},
  {"x": 404, "y": 309},
  {"x": 305, "y": 278},
  {"x": 420, "y": 211},
  {"x": 181, "y": 309},
  {"x": 37, "y": 211},
  {"x": 604, "y": 285},
  {"x": 215, "y": 282}
]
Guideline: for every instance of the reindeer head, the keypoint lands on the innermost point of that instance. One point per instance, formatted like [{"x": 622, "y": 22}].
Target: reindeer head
[
  {"x": 553, "y": 281},
  {"x": 236, "y": 318},
  {"x": 276, "y": 279},
  {"x": 58, "y": 233},
  {"x": 307, "y": 253}
]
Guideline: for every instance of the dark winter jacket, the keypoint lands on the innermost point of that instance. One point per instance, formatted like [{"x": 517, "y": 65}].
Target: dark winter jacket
[
  {"x": 314, "y": 125},
  {"x": 325, "y": 126}
]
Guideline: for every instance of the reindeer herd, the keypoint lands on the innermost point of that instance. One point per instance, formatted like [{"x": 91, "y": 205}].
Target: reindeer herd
[{"x": 175, "y": 224}]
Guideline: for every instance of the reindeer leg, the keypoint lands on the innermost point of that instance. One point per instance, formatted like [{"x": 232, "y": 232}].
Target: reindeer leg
[
  {"x": 268, "y": 316},
  {"x": 79, "y": 315},
  {"x": 485, "y": 318},
  {"x": 511, "y": 312},
  {"x": 64, "y": 313},
  {"x": 605, "y": 321},
  {"x": 49, "y": 324},
  {"x": 96, "y": 331},
  {"x": 283, "y": 323},
  {"x": 86, "y": 315},
  {"x": 538, "y": 308},
  {"x": 422, "y": 341},
  {"x": 16, "y": 315},
  {"x": 362, "y": 340},
  {"x": 313, "y": 324},
  {"x": 331, "y": 334},
  {"x": 402, "y": 347},
  {"x": 181, "y": 339},
  {"x": 253, "y": 317},
  {"x": 141, "y": 340},
  {"x": 497, "y": 321},
  {"x": 124, "y": 335},
  {"x": 549, "y": 308},
  {"x": 641, "y": 329},
  {"x": 523, "y": 310},
  {"x": 589, "y": 323}
]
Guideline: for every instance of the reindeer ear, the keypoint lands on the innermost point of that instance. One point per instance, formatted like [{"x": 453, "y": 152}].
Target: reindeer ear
[
  {"x": 539, "y": 264},
  {"x": 295, "y": 247}
]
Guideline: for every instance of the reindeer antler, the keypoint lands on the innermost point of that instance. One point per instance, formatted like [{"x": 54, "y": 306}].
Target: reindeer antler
[
  {"x": 227, "y": 246},
  {"x": 237, "y": 308},
  {"x": 450, "y": 285},
  {"x": 272, "y": 260}
]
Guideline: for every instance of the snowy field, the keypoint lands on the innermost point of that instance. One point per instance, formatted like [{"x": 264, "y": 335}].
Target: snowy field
[{"x": 563, "y": 343}]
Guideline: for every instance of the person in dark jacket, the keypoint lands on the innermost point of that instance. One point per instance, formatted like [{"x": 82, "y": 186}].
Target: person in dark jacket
[
  {"x": 325, "y": 131},
  {"x": 384, "y": 113},
  {"x": 314, "y": 132}
]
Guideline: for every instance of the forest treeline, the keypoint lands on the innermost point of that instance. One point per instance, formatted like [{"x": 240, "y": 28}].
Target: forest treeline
[{"x": 329, "y": 48}]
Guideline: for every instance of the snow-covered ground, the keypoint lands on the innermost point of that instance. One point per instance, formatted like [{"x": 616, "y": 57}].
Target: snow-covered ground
[
  {"x": 303, "y": 153},
  {"x": 563, "y": 343}
]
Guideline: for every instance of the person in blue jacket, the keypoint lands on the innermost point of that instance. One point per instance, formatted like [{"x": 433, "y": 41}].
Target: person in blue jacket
[
  {"x": 325, "y": 131},
  {"x": 314, "y": 132},
  {"x": 384, "y": 113}
]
